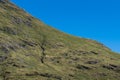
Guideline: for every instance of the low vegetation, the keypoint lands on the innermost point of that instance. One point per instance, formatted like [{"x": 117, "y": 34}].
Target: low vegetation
[{"x": 31, "y": 50}]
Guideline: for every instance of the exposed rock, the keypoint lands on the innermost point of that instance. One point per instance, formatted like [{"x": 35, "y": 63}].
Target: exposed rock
[
  {"x": 92, "y": 62},
  {"x": 51, "y": 76},
  {"x": 2, "y": 58},
  {"x": 57, "y": 45},
  {"x": 9, "y": 30},
  {"x": 71, "y": 75},
  {"x": 83, "y": 67},
  {"x": 93, "y": 52},
  {"x": 18, "y": 65},
  {"x": 79, "y": 52},
  {"x": 29, "y": 43},
  {"x": 4, "y": 49},
  {"x": 65, "y": 54},
  {"x": 112, "y": 67},
  {"x": 55, "y": 59},
  {"x": 18, "y": 20},
  {"x": 4, "y": 1},
  {"x": 7, "y": 47},
  {"x": 45, "y": 75},
  {"x": 28, "y": 23},
  {"x": 75, "y": 59}
]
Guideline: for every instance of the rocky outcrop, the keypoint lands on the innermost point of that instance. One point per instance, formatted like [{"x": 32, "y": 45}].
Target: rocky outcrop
[
  {"x": 4, "y": 1},
  {"x": 82, "y": 67},
  {"x": 113, "y": 67},
  {"x": 47, "y": 75}
]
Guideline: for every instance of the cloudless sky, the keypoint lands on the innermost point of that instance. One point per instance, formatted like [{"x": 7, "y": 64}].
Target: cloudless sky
[{"x": 94, "y": 19}]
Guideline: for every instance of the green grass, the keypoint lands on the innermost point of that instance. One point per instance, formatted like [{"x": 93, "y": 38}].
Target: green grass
[{"x": 24, "y": 39}]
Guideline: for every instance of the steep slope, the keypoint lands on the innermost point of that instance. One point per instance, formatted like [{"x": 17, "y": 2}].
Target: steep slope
[{"x": 31, "y": 50}]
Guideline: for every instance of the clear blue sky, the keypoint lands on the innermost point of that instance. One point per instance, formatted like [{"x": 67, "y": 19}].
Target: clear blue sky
[{"x": 94, "y": 19}]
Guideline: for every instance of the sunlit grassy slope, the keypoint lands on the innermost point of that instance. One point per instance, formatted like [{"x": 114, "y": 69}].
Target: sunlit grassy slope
[{"x": 31, "y": 50}]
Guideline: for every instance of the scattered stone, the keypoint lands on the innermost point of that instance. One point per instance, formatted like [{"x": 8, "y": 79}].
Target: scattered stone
[
  {"x": 65, "y": 55},
  {"x": 55, "y": 59},
  {"x": 75, "y": 59}
]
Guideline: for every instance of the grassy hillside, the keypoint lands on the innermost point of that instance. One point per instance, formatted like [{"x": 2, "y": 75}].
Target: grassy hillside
[{"x": 31, "y": 50}]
